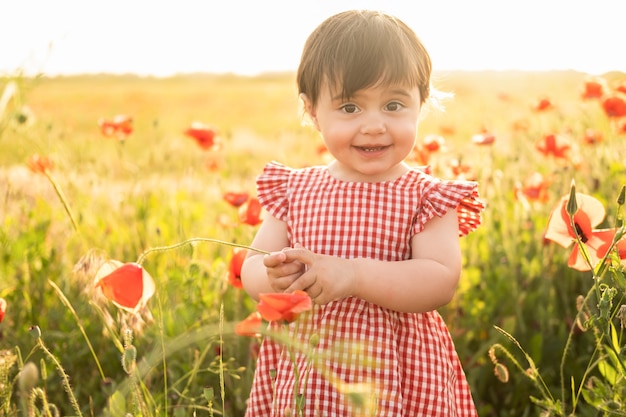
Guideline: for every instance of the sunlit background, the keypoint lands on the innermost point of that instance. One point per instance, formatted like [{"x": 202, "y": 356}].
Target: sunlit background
[{"x": 249, "y": 37}]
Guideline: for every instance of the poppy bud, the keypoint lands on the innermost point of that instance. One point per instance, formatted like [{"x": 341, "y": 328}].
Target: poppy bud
[
  {"x": 44, "y": 372},
  {"x": 314, "y": 340},
  {"x": 501, "y": 372},
  {"x": 572, "y": 204},
  {"x": 208, "y": 394},
  {"x": 28, "y": 377},
  {"x": 128, "y": 359},
  {"x": 622, "y": 196}
]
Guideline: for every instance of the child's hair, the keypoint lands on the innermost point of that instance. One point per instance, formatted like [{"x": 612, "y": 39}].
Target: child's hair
[{"x": 361, "y": 48}]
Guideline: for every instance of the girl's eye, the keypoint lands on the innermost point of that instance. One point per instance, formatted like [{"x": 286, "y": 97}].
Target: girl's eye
[
  {"x": 394, "y": 106},
  {"x": 349, "y": 108}
]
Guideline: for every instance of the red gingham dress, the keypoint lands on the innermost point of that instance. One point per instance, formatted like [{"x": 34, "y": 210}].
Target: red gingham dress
[{"x": 370, "y": 361}]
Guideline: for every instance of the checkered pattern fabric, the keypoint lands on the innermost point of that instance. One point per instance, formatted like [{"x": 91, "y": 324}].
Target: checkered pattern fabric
[{"x": 370, "y": 361}]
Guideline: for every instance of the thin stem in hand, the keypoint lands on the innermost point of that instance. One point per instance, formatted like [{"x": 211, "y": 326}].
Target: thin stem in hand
[{"x": 194, "y": 240}]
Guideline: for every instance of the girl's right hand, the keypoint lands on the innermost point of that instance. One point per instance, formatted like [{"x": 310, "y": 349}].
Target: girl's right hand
[{"x": 280, "y": 272}]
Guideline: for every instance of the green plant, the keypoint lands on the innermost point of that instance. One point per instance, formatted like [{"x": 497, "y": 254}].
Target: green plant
[{"x": 601, "y": 387}]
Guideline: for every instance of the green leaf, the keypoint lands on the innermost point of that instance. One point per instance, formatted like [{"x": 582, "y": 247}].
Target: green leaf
[
  {"x": 117, "y": 404},
  {"x": 614, "y": 338},
  {"x": 608, "y": 372}
]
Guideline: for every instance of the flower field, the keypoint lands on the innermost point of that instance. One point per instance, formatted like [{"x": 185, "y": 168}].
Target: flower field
[{"x": 126, "y": 205}]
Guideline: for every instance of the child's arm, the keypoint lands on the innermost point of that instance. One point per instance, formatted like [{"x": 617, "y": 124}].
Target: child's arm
[
  {"x": 423, "y": 283},
  {"x": 269, "y": 273}
]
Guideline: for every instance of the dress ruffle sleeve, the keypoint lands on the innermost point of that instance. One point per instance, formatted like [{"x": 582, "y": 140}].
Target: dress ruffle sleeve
[
  {"x": 272, "y": 189},
  {"x": 442, "y": 195}
]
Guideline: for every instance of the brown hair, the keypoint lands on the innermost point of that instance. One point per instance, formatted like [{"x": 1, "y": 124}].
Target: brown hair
[{"x": 360, "y": 48}]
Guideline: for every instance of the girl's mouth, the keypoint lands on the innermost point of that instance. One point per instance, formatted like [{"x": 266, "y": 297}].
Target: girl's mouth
[{"x": 371, "y": 149}]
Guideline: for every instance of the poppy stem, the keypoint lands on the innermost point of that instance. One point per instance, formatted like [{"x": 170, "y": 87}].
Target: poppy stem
[
  {"x": 194, "y": 240},
  {"x": 61, "y": 196},
  {"x": 67, "y": 303}
]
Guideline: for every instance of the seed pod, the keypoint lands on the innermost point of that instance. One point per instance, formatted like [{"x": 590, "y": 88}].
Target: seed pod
[{"x": 35, "y": 331}]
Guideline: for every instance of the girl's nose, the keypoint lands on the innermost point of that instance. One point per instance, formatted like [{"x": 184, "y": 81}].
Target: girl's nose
[{"x": 373, "y": 124}]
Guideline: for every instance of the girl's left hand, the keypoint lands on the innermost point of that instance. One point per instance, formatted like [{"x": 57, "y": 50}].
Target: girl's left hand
[{"x": 326, "y": 278}]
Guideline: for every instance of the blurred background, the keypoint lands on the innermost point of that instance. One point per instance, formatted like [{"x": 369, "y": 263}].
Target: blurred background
[{"x": 247, "y": 37}]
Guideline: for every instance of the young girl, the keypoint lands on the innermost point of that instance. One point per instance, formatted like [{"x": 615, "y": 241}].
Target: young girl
[{"x": 374, "y": 242}]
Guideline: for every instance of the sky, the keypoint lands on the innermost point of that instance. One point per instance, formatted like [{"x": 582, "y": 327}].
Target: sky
[{"x": 249, "y": 37}]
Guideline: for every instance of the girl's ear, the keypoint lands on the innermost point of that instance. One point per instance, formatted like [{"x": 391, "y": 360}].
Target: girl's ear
[{"x": 309, "y": 110}]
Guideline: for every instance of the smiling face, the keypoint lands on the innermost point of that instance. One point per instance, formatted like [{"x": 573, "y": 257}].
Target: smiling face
[
  {"x": 363, "y": 77},
  {"x": 370, "y": 133}
]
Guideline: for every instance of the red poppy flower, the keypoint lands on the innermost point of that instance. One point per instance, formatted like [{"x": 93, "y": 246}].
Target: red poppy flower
[
  {"x": 283, "y": 306},
  {"x": 600, "y": 243},
  {"x": 534, "y": 188},
  {"x": 592, "y": 137},
  {"x": 447, "y": 129},
  {"x": 621, "y": 88},
  {"x": 597, "y": 245},
  {"x": 236, "y": 199},
  {"x": 555, "y": 145},
  {"x": 590, "y": 213},
  {"x": 3, "y": 308},
  {"x": 484, "y": 138},
  {"x": 614, "y": 107},
  {"x": 462, "y": 171},
  {"x": 322, "y": 153},
  {"x": 214, "y": 161},
  {"x": 127, "y": 285},
  {"x": 593, "y": 89},
  {"x": 203, "y": 134},
  {"x": 250, "y": 326},
  {"x": 251, "y": 212},
  {"x": 520, "y": 125},
  {"x": 621, "y": 127},
  {"x": 433, "y": 143},
  {"x": 39, "y": 164},
  {"x": 121, "y": 126},
  {"x": 234, "y": 267},
  {"x": 543, "y": 104},
  {"x": 420, "y": 154}
]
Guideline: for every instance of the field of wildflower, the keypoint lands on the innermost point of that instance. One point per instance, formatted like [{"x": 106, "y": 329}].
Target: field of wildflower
[{"x": 126, "y": 205}]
